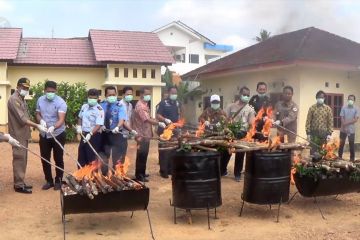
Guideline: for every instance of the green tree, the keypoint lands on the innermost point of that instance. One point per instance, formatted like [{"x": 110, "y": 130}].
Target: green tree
[
  {"x": 264, "y": 35},
  {"x": 75, "y": 96},
  {"x": 167, "y": 78}
]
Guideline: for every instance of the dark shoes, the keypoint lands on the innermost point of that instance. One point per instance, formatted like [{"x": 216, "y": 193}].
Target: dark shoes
[
  {"x": 164, "y": 175},
  {"x": 47, "y": 186},
  {"x": 225, "y": 174},
  {"x": 142, "y": 179},
  {"x": 57, "y": 186},
  {"x": 237, "y": 178},
  {"x": 24, "y": 189}
]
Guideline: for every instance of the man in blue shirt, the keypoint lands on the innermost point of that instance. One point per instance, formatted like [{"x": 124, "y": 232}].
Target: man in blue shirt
[
  {"x": 114, "y": 143},
  {"x": 349, "y": 116},
  {"x": 50, "y": 113},
  {"x": 91, "y": 118},
  {"x": 169, "y": 111}
]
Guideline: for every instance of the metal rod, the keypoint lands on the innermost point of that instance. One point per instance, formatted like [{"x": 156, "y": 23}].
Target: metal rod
[
  {"x": 242, "y": 205},
  {"x": 309, "y": 141},
  {"x": 278, "y": 212},
  {"x": 36, "y": 154},
  {"x": 317, "y": 205},
  {"x": 62, "y": 147},
  {"x": 151, "y": 231},
  {"x": 292, "y": 198}
]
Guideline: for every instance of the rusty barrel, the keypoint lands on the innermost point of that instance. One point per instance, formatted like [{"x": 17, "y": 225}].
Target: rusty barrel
[
  {"x": 267, "y": 177},
  {"x": 196, "y": 180}
]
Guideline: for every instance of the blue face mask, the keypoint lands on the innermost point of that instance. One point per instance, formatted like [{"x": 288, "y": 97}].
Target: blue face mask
[
  {"x": 111, "y": 99},
  {"x": 128, "y": 98},
  {"x": 261, "y": 95},
  {"x": 147, "y": 98},
  {"x": 173, "y": 97},
  {"x": 50, "y": 96},
  {"x": 245, "y": 99},
  {"x": 92, "y": 102}
]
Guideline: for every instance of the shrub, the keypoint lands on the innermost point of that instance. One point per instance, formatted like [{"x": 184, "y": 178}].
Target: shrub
[{"x": 75, "y": 96}]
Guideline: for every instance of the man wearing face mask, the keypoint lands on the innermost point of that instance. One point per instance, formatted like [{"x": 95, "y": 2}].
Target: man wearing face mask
[
  {"x": 142, "y": 123},
  {"x": 349, "y": 116},
  {"x": 242, "y": 112},
  {"x": 212, "y": 117},
  {"x": 169, "y": 111},
  {"x": 19, "y": 127},
  {"x": 91, "y": 119},
  {"x": 319, "y": 122},
  {"x": 50, "y": 113},
  {"x": 261, "y": 99},
  {"x": 114, "y": 142},
  {"x": 285, "y": 115}
]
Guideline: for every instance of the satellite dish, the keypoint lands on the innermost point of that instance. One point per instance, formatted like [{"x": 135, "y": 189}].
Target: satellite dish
[{"x": 4, "y": 23}]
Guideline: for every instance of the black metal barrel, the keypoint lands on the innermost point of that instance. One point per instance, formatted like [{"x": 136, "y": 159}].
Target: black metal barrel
[
  {"x": 267, "y": 177},
  {"x": 196, "y": 180}
]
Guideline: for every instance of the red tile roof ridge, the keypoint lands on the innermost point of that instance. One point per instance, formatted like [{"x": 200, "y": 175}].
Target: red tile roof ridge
[{"x": 112, "y": 30}]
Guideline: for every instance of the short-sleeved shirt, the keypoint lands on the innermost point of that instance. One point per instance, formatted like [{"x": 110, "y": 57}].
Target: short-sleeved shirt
[
  {"x": 18, "y": 117},
  {"x": 114, "y": 112},
  {"x": 129, "y": 110},
  {"x": 349, "y": 113},
  {"x": 49, "y": 111},
  {"x": 140, "y": 118},
  {"x": 91, "y": 116},
  {"x": 245, "y": 116},
  {"x": 169, "y": 109}
]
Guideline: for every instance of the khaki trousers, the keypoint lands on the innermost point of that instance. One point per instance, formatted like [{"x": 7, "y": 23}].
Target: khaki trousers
[{"x": 19, "y": 163}]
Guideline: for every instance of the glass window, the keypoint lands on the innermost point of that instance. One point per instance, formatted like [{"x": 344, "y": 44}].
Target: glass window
[
  {"x": 126, "y": 72},
  {"x": 193, "y": 58},
  {"x": 135, "y": 73},
  {"x": 152, "y": 73},
  {"x": 335, "y": 101},
  {"x": 116, "y": 72},
  {"x": 144, "y": 73}
]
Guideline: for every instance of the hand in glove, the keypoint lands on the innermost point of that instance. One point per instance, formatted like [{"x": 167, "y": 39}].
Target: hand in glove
[
  {"x": 162, "y": 125},
  {"x": 87, "y": 137},
  {"x": 12, "y": 141},
  {"x": 51, "y": 129},
  {"x": 134, "y": 133},
  {"x": 41, "y": 128},
  {"x": 218, "y": 124},
  {"x": 78, "y": 129},
  {"x": 328, "y": 138},
  {"x": 167, "y": 121},
  {"x": 43, "y": 123},
  {"x": 207, "y": 123},
  {"x": 116, "y": 130},
  {"x": 102, "y": 129},
  {"x": 277, "y": 123}
]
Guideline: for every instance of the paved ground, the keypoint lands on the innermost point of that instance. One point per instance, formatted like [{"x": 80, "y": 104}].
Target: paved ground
[{"x": 37, "y": 216}]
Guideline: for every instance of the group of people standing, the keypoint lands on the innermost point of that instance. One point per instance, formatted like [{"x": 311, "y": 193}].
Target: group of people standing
[{"x": 106, "y": 126}]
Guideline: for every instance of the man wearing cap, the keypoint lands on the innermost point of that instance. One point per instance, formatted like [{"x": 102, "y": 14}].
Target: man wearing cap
[
  {"x": 50, "y": 113},
  {"x": 19, "y": 127},
  {"x": 241, "y": 112},
  {"x": 213, "y": 117},
  {"x": 169, "y": 111},
  {"x": 91, "y": 118}
]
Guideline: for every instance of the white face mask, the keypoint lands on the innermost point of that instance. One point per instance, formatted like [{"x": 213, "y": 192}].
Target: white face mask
[{"x": 23, "y": 92}]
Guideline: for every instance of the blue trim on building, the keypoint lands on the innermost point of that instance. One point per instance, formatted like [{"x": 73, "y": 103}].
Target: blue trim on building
[{"x": 218, "y": 47}]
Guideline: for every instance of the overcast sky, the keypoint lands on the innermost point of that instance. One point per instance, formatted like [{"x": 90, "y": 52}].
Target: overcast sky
[{"x": 234, "y": 22}]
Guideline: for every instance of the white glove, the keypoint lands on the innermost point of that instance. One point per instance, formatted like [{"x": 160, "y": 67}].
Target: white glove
[
  {"x": 51, "y": 129},
  {"x": 78, "y": 129},
  {"x": 328, "y": 138},
  {"x": 277, "y": 123},
  {"x": 12, "y": 141},
  {"x": 41, "y": 128},
  {"x": 43, "y": 123},
  {"x": 167, "y": 121},
  {"x": 102, "y": 129},
  {"x": 218, "y": 124},
  {"x": 87, "y": 137},
  {"x": 162, "y": 125},
  {"x": 133, "y": 132},
  {"x": 207, "y": 123},
  {"x": 265, "y": 118},
  {"x": 116, "y": 130}
]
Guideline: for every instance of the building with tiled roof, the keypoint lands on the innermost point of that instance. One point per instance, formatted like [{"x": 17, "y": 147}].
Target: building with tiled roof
[
  {"x": 103, "y": 58},
  {"x": 309, "y": 60}
]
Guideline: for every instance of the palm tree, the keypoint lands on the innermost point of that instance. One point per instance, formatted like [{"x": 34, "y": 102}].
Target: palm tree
[{"x": 264, "y": 35}]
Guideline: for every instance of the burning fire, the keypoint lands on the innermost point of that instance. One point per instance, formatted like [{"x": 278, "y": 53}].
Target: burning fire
[
  {"x": 330, "y": 149},
  {"x": 260, "y": 117},
  {"x": 168, "y": 131},
  {"x": 268, "y": 122},
  {"x": 274, "y": 142},
  {"x": 201, "y": 130},
  {"x": 87, "y": 170},
  {"x": 122, "y": 168},
  {"x": 296, "y": 160}
]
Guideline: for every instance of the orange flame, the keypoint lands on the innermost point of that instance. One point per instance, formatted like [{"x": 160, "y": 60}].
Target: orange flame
[
  {"x": 331, "y": 149},
  {"x": 259, "y": 117},
  {"x": 87, "y": 170},
  {"x": 268, "y": 122},
  {"x": 122, "y": 168},
  {"x": 201, "y": 130},
  {"x": 274, "y": 143},
  {"x": 296, "y": 160},
  {"x": 168, "y": 131}
]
